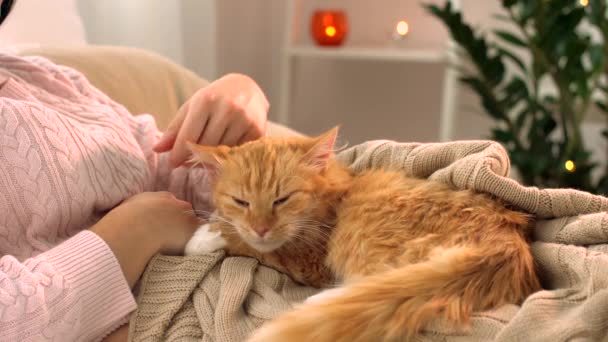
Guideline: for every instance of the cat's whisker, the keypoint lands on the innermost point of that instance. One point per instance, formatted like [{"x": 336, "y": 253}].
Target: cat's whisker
[
  {"x": 312, "y": 221},
  {"x": 292, "y": 244},
  {"x": 221, "y": 219},
  {"x": 311, "y": 246},
  {"x": 312, "y": 234},
  {"x": 312, "y": 225},
  {"x": 190, "y": 212},
  {"x": 297, "y": 240},
  {"x": 315, "y": 244},
  {"x": 232, "y": 232},
  {"x": 205, "y": 213},
  {"x": 314, "y": 230},
  {"x": 312, "y": 239},
  {"x": 218, "y": 218},
  {"x": 317, "y": 239}
]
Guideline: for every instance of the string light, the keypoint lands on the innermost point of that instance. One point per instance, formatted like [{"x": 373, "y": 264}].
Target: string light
[
  {"x": 570, "y": 166},
  {"x": 583, "y": 3}
]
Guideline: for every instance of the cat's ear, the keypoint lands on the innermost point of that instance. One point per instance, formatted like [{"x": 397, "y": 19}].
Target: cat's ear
[
  {"x": 322, "y": 149},
  {"x": 209, "y": 157}
]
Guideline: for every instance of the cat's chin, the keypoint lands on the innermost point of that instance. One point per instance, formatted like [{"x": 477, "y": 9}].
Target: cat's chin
[{"x": 265, "y": 247}]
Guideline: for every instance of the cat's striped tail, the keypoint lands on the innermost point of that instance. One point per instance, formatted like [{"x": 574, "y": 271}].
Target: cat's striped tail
[{"x": 396, "y": 305}]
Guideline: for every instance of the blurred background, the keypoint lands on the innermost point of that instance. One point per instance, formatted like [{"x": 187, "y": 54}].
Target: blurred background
[
  {"x": 376, "y": 85},
  {"x": 372, "y": 99}
]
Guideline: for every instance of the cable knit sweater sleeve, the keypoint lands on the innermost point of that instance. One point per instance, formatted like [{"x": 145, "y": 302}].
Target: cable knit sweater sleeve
[
  {"x": 73, "y": 292},
  {"x": 68, "y": 154}
]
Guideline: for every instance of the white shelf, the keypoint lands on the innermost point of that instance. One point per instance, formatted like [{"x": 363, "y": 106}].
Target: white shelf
[
  {"x": 292, "y": 51},
  {"x": 369, "y": 53}
]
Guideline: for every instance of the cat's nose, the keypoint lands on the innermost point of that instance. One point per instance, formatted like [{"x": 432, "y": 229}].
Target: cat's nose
[{"x": 261, "y": 230}]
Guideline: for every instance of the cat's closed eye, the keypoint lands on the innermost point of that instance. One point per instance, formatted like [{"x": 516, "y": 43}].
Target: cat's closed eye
[
  {"x": 240, "y": 202},
  {"x": 281, "y": 200}
]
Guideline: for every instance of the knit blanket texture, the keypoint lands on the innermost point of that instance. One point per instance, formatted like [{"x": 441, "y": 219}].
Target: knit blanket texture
[{"x": 217, "y": 298}]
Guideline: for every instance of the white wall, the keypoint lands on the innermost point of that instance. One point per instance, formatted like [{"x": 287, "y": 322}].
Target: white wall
[
  {"x": 402, "y": 100},
  {"x": 42, "y": 22},
  {"x": 373, "y": 100},
  {"x": 370, "y": 99},
  {"x": 199, "y": 36},
  {"x": 183, "y": 30},
  {"x": 250, "y": 37}
]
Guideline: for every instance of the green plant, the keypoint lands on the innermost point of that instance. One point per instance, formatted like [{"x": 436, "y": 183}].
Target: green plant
[{"x": 541, "y": 130}]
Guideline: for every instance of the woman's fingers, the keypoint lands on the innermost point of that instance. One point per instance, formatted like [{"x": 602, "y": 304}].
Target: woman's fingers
[
  {"x": 119, "y": 335},
  {"x": 235, "y": 132},
  {"x": 252, "y": 133},
  {"x": 229, "y": 111},
  {"x": 195, "y": 122},
  {"x": 222, "y": 116},
  {"x": 168, "y": 139}
]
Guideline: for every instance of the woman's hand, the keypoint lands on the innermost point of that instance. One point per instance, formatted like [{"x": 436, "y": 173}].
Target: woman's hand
[
  {"x": 144, "y": 225},
  {"x": 229, "y": 111},
  {"x": 119, "y": 335}
]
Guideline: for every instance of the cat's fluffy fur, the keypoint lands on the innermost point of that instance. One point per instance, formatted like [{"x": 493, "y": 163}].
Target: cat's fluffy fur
[{"x": 407, "y": 250}]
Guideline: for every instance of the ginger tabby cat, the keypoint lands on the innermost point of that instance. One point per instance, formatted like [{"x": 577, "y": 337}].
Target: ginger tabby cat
[{"x": 406, "y": 250}]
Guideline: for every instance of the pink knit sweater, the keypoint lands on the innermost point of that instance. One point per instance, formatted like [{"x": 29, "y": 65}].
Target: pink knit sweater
[{"x": 68, "y": 154}]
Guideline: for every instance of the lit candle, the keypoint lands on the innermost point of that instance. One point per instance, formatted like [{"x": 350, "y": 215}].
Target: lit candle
[
  {"x": 330, "y": 31},
  {"x": 329, "y": 27},
  {"x": 401, "y": 30}
]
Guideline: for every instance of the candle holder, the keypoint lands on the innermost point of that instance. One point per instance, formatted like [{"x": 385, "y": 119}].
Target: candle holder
[{"x": 329, "y": 27}]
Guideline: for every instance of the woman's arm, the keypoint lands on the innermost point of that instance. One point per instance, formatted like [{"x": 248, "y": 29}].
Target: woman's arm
[
  {"x": 144, "y": 225},
  {"x": 81, "y": 289},
  {"x": 54, "y": 180},
  {"x": 74, "y": 292}
]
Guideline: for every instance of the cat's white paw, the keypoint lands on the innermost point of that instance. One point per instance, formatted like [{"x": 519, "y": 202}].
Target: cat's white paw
[
  {"x": 204, "y": 241},
  {"x": 325, "y": 295}
]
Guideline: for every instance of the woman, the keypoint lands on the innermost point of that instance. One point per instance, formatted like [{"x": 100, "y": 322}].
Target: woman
[{"x": 87, "y": 195}]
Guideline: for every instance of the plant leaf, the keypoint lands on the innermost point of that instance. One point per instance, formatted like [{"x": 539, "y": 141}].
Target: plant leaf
[
  {"x": 601, "y": 105},
  {"x": 510, "y": 38},
  {"x": 520, "y": 119},
  {"x": 513, "y": 58},
  {"x": 508, "y": 3},
  {"x": 596, "y": 55},
  {"x": 487, "y": 100},
  {"x": 503, "y": 136}
]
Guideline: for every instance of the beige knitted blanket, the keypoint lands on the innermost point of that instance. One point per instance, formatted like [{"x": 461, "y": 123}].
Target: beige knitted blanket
[{"x": 212, "y": 298}]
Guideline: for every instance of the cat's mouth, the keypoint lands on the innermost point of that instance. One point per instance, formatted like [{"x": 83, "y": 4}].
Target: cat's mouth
[{"x": 263, "y": 245}]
